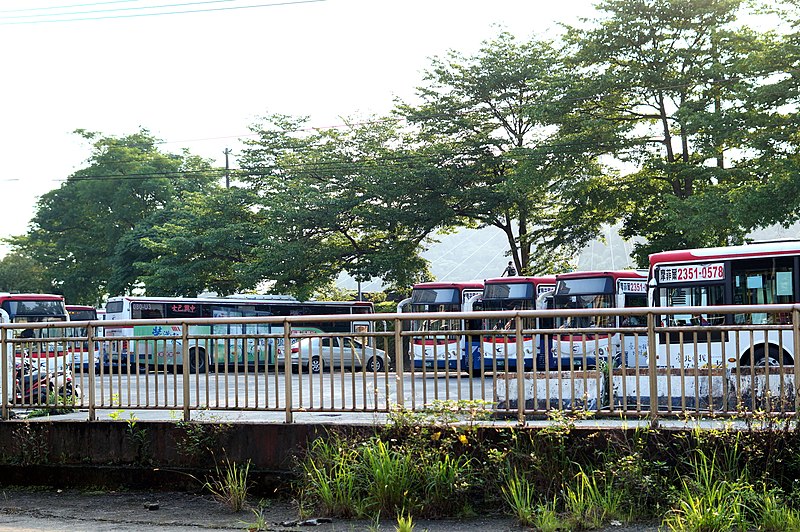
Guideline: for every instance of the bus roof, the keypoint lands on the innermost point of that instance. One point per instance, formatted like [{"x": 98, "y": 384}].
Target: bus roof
[
  {"x": 756, "y": 249},
  {"x": 31, "y": 297},
  {"x": 167, "y": 299},
  {"x": 80, "y": 307},
  {"x": 236, "y": 301},
  {"x": 616, "y": 274},
  {"x": 536, "y": 280},
  {"x": 447, "y": 284}
]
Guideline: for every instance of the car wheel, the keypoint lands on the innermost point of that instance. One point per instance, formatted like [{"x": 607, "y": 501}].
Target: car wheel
[
  {"x": 316, "y": 365},
  {"x": 375, "y": 364}
]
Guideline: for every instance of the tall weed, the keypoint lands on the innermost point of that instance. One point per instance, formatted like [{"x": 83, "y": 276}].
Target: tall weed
[
  {"x": 389, "y": 477},
  {"x": 710, "y": 501},
  {"x": 592, "y": 502},
  {"x": 230, "y": 484},
  {"x": 520, "y": 497},
  {"x": 330, "y": 477}
]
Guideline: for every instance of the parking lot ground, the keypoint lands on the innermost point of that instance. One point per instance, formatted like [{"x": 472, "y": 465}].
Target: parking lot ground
[{"x": 47, "y": 509}]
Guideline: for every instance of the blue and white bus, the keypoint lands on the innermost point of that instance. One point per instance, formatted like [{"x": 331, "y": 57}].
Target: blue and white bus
[
  {"x": 498, "y": 350},
  {"x": 436, "y": 344}
]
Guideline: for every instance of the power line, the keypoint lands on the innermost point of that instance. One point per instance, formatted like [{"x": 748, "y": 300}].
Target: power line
[
  {"x": 118, "y": 9},
  {"x": 3, "y": 22},
  {"x": 27, "y": 9}
]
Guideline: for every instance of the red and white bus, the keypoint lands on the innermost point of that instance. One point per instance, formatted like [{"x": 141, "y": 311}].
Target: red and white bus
[
  {"x": 751, "y": 274},
  {"x": 433, "y": 347},
  {"x": 82, "y": 357},
  {"x": 33, "y": 308},
  {"x": 81, "y": 313},
  {"x": 598, "y": 290},
  {"x": 499, "y": 352},
  {"x": 34, "y": 343}
]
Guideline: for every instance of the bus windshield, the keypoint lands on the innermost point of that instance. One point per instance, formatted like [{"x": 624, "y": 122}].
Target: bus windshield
[
  {"x": 22, "y": 311},
  {"x": 587, "y": 301}
]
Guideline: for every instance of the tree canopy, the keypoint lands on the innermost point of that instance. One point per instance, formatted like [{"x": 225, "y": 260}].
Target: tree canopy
[
  {"x": 673, "y": 84},
  {"x": 671, "y": 117},
  {"x": 77, "y": 227}
]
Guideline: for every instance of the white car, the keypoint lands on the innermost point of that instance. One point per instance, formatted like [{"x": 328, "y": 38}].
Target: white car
[{"x": 317, "y": 354}]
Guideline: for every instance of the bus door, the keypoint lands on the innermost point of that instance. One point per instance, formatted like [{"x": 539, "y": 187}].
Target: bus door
[
  {"x": 545, "y": 352},
  {"x": 260, "y": 348},
  {"x": 228, "y": 350}
]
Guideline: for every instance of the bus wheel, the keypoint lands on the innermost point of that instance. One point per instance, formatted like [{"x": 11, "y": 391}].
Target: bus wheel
[
  {"x": 197, "y": 360},
  {"x": 316, "y": 365},
  {"x": 774, "y": 357},
  {"x": 375, "y": 364}
]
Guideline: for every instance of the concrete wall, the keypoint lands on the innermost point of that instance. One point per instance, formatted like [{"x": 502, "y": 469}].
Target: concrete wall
[{"x": 152, "y": 454}]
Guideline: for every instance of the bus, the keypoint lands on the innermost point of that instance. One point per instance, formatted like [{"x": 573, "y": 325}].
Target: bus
[
  {"x": 498, "y": 352},
  {"x": 35, "y": 308},
  {"x": 255, "y": 351},
  {"x": 81, "y": 313},
  {"x": 599, "y": 290},
  {"x": 433, "y": 347},
  {"x": 760, "y": 273},
  {"x": 83, "y": 358},
  {"x": 34, "y": 344}
]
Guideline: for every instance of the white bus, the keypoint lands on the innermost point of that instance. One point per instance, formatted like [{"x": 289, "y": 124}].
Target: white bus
[
  {"x": 751, "y": 274},
  {"x": 258, "y": 350}
]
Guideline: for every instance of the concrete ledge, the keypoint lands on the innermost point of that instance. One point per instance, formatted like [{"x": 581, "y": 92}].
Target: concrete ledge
[{"x": 551, "y": 389}]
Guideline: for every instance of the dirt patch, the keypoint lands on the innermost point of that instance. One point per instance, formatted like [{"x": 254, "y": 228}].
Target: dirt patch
[{"x": 70, "y": 510}]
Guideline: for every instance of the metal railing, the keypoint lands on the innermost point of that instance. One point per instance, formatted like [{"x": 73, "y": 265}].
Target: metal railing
[{"x": 652, "y": 364}]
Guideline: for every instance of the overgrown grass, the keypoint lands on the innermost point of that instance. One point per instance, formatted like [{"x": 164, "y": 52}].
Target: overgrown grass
[
  {"x": 521, "y": 498},
  {"x": 382, "y": 478},
  {"x": 442, "y": 464},
  {"x": 230, "y": 484},
  {"x": 592, "y": 501},
  {"x": 718, "y": 496}
]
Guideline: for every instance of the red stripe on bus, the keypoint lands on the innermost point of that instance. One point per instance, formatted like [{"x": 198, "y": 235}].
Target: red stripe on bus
[
  {"x": 581, "y": 337},
  {"x": 505, "y": 339},
  {"x": 433, "y": 342}
]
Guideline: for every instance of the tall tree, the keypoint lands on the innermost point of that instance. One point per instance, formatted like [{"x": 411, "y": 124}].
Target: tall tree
[
  {"x": 20, "y": 273},
  {"x": 77, "y": 227},
  {"x": 200, "y": 242},
  {"x": 347, "y": 199},
  {"x": 492, "y": 118},
  {"x": 774, "y": 196},
  {"x": 668, "y": 88}
]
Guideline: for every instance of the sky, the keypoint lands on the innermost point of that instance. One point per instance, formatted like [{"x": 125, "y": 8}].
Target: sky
[{"x": 197, "y": 78}]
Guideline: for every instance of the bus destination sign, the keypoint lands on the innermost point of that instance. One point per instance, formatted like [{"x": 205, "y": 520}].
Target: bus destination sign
[
  {"x": 637, "y": 287},
  {"x": 682, "y": 273}
]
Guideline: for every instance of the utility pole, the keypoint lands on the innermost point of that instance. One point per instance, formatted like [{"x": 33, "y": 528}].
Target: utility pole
[{"x": 227, "y": 152}]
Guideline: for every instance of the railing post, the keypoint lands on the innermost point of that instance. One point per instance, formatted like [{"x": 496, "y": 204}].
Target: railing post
[
  {"x": 520, "y": 371},
  {"x": 90, "y": 342},
  {"x": 796, "y": 345},
  {"x": 6, "y": 367},
  {"x": 398, "y": 361},
  {"x": 651, "y": 363},
  {"x": 287, "y": 367},
  {"x": 185, "y": 366}
]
